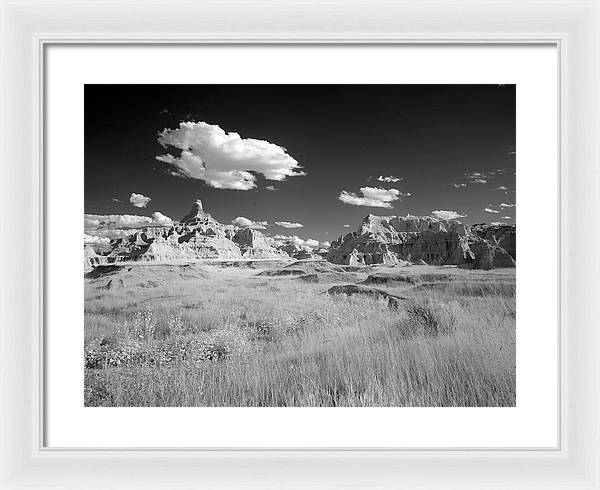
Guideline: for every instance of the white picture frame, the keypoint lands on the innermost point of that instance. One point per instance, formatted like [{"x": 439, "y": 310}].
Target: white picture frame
[{"x": 574, "y": 27}]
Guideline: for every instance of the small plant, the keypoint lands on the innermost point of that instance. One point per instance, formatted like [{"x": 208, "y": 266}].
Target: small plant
[
  {"x": 144, "y": 325},
  {"x": 103, "y": 354},
  {"x": 224, "y": 343},
  {"x": 176, "y": 326},
  {"x": 260, "y": 330}
]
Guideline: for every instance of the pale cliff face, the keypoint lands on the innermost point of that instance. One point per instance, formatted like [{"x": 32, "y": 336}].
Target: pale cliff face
[
  {"x": 197, "y": 236},
  {"x": 435, "y": 241},
  {"x": 410, "y": 224}
]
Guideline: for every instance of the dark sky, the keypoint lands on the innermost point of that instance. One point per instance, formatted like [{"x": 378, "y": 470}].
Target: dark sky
[{"x": 343, "y": 136}]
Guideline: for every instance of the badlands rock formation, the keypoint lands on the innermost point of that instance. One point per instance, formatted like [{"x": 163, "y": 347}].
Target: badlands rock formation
[
  {"x": 90, "y": 258},
  {"x": 198, "y": 236},
  {"x": 379, "y": 240},
  {"x": 398, "y": 240},
  {"x": 504, "y": 236}
]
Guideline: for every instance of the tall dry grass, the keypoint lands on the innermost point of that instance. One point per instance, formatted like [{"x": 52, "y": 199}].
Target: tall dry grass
[{"x": 233, "y": 339}]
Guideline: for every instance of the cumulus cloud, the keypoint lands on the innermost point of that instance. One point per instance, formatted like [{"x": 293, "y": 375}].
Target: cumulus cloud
[
  {"x": 287, "y": 224},
  {"x": 389, "y": 178},
  {"x": 110, "y": 234},
  {"x": 371, "y": 196},
  {"x": 242, "y": 222},
  {"x": 325, "y": 244},
  {"x": 295, "y": 240},
  {"x": 497, "y": 223},
  {"x": 504, "y": 205},
  {"x": 225, "y": 160},
  {"x": 123, "y": 221},
  {"x": 92, "y": 221},
  {"x": 161, "y": 219},
  {"x": 490, "y": 210},
  {"x": 441, "y": 214},
  {"x": 95, "y": 240},
  {"x": 458, "y": 186},
  {"x": 139, "y": 200}
]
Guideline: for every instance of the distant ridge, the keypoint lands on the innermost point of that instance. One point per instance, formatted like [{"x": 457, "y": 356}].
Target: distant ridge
[
  {"x": 424, "y": 239},
  {"x": 198, "y": 236}
]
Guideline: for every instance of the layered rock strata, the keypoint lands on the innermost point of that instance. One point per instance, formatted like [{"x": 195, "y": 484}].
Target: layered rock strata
[
  {"x": 399, "y": 240},
  {"x": 198, "y": 236}
]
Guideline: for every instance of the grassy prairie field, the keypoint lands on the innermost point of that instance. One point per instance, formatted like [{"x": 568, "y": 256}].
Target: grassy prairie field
[{"x": 208, "y": 335}]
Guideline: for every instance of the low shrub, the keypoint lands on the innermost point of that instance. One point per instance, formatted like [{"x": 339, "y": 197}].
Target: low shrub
[{"x": 140, "y": 344}]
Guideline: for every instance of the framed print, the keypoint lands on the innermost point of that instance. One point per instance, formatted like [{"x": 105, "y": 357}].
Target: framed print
[
  {"x": 179, "y": 311},
  {"x": 299, "y": 258}
]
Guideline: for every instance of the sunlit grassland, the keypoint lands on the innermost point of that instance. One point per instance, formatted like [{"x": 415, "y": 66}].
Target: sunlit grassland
[{"x": 227, "y": 337}]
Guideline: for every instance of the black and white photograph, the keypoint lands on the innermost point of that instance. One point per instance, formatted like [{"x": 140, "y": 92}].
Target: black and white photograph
[{"x": 299, "y": 245}]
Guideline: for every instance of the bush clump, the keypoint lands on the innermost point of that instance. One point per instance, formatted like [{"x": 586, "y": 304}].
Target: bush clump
[{"x": 145, "y": 343}]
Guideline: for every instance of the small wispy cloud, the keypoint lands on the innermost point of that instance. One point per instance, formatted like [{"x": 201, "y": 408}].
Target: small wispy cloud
[
  {"x": 139, "y": 200},
  {"x": 271, "y": 188},
  {"x": 476, "y": 177},
  {"x": 389, "y": 178},
  {"x": 287, "y": 224},
  {"x": 481, "y": 177},
  {"x": 504, "y": 205},
  {"x": 346, "y": 226},
  {"x": 490, "y": 210},
  {"x": 506, "y": 217},
  {"x": 442, "y": 214}
]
